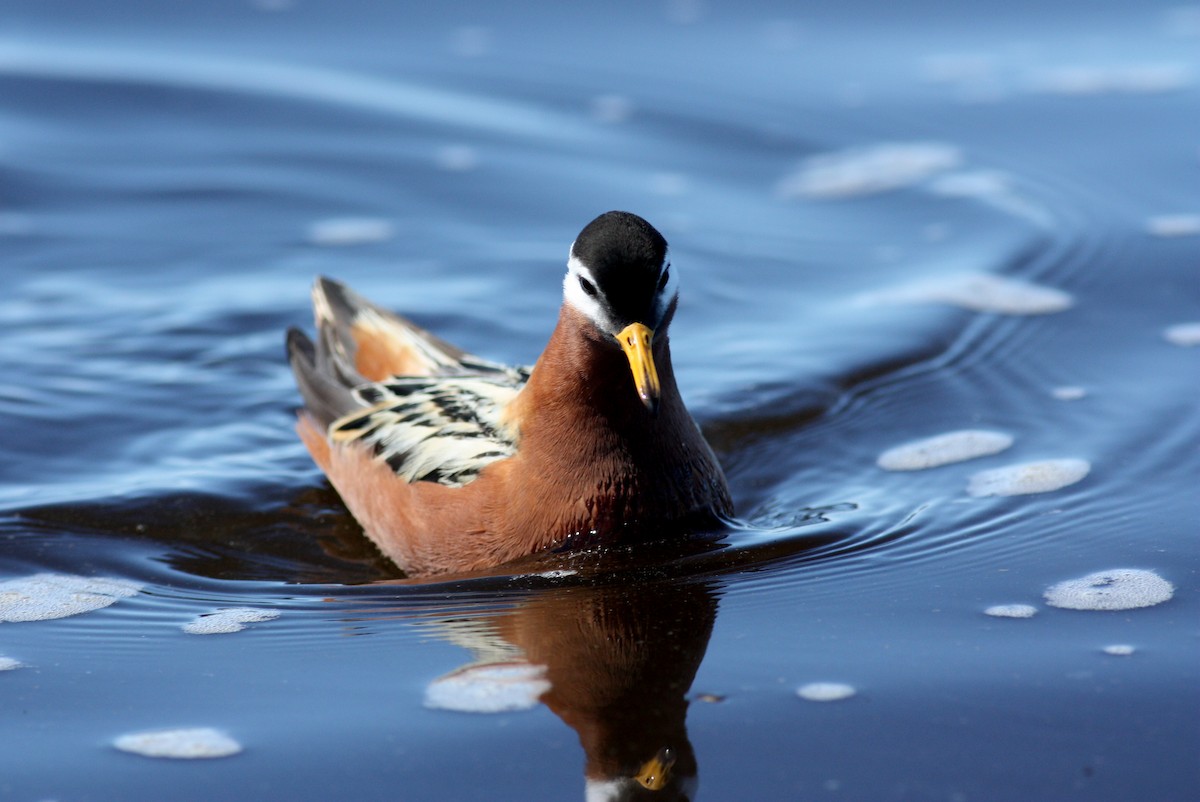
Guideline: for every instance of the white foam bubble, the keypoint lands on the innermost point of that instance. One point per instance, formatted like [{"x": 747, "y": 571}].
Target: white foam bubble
[
  {"x": 1011, "y": 611},
  {"x": 1119, "y": 649},
  {"x": 943, "y": 449},
  {"x": 994, "y": 188},
  {"x": 183, "y": 744},
  {"x": 978, "y": 292},
  {"x": 342, "y": 231},
  {"x": 489, "y": 688},
  {"x": 1126, "y": 79},
  {"x": 1028, "y": 477},
  {"x": 1069, "y": 393},
  {"x": 41, "y": 597},
  {"x": 1118, "y": 589},
  {"x": 825, "y": 691},
  {"x": 1174, "y": 225},
  {"x": 972, "y": 184},
  {"x": 229, "y": 619},
  {"x": 868, "y": 170},
  {"x": 10, "y": 663},
  {"x": 1185, "y": 334}
]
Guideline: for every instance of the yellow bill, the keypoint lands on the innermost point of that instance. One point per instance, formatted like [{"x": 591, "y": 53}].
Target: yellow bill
[
  {"x": 656, "y": 772},
  {"x": 635, "y": 341}
]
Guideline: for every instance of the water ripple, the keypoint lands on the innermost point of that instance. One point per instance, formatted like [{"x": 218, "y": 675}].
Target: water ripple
[{"x": 183, "y": 71}]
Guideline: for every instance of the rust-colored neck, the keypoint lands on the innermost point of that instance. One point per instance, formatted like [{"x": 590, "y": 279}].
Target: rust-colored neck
[{"x": 601, "y": 453}]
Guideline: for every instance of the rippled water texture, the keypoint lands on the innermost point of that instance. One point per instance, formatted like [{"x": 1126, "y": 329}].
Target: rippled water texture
[{"x": 940, "y": 295}]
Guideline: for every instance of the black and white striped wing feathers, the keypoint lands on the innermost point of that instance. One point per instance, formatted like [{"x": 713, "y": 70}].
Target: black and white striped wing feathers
[{"x": 443, "y": 429}]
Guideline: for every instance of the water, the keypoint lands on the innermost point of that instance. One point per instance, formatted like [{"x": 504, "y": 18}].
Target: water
[{"x": 834, "y": 181}]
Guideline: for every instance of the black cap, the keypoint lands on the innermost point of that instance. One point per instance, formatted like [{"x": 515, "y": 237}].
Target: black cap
[{"x": 625, "y": 255}]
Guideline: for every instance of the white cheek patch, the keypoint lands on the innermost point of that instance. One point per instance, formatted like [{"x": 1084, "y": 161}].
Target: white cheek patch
[
  {"x": 574, "y": 295},
  {"x": 668, "y": 291}
]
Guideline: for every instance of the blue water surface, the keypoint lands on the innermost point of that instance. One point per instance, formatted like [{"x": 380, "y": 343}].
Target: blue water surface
[{"x": 830, "y": 177}]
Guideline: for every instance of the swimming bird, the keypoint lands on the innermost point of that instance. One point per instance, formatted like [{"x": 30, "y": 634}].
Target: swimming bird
[{"x": 452, "y": 463}]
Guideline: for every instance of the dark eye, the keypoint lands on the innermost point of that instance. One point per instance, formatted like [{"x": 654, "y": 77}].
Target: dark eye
[
  {"x": 589, "y": 288},
  {"x": 666, "y": 276}
]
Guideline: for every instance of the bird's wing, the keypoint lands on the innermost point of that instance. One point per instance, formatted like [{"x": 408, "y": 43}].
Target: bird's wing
[{"x": 443, "y": 429}]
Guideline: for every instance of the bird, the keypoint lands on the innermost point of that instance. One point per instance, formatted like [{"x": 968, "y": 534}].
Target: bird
[{"x": 454, "y": 464}]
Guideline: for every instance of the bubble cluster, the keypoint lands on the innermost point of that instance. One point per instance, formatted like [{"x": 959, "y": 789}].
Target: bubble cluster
[
  {"x": 489, "y": 688},
  {"x": 1029, "y": 477},
  {"x": 1069, "y": 393},
  {"x": 993, "y": 188},
  {"x": 826, "y": 691},
  {"x": 943, "y": 449},
  {"x": 182, "y": 744},
  {"x": 42, "y": 597},
  {"x": 1118, "y": 589},
  {"x": 9, "y": 663},
  {"x": 229, "y": 619},
  {"x": 868, "y": 170},
  {"x": 1184, "y": 334},
  {"x": 978, "y": 184},
  {"x": 1174, "y": 225},
  {"x": 1011, "y": 611},
  {"x": 1121, "y": 79},
  {"x": 343, "y": 231},
  {"x": 1119, "y": 649},
  {"x": 977, "y": 292}
]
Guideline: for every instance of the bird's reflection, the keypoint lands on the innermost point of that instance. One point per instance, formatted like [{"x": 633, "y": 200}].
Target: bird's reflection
[{"x": 615, "y": 663}]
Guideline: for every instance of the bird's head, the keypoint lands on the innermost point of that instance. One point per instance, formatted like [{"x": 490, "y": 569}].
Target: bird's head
[{"x": 619, "y": 277}]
